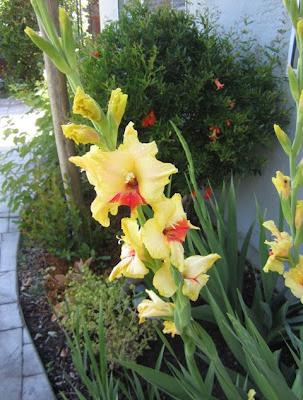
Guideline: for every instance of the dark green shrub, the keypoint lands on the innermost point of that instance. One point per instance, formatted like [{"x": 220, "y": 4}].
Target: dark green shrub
[
  {"x": 22, "y": 59},
  {"x": 167, "y": 61}
]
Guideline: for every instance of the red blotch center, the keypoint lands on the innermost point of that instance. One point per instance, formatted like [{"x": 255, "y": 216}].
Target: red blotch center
[
  {"x": 177, "y": 232},
  {"x": 131, "y": 196}
]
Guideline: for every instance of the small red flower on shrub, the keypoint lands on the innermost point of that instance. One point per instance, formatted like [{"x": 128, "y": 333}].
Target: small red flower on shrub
[
  {"x": 149, "y": 120},
  {"x": 208, "y": 193},
  {"x": 215, "y": 133},
  {"x": 218, "y": 84},
  {"x": 228, "y": 123},
  {"x": 95, "y": 54}
]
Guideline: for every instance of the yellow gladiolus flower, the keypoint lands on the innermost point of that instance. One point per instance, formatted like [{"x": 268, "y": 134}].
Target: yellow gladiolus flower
[
  {"x": 282, "y": 184},
  {"x": 154, "y": 308},
  {"x": 169, "y": 327},
  {"x": 117, "y": 105},
  {"x": 299, "y": 214},
  {"x": 130, "y": 175},
  {"x": 279, "y": 248},
  {"x": 294, "y": 279},
  {"x": 251, "y": 394},
  {"x": 80, "y": 134},
  {"x": 281, "y": 245},
  {"x": 132, "y": 253},
  {"x": 193, "y": 272},
  {"x": 164, "y": 234},
  {"x": 86, "y": 106}
]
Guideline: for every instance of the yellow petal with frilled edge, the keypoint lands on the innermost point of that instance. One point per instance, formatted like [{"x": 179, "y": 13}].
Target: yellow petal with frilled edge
[
  {"x": 117, "y": 105},
  {"x": 282, "y": 184},
  {"x": 154, "y": 308},
  {"x": 80, "y": 134},
  {"x": 192, "y": 287},
  {"x": 169, "y": 327},
  {"x": 194, "y": 274},
  {"x": 169, "y": 211},
  {"x": 153, "y": 176},
  {"x": 177, "y": 254},
  {"x": 282, "y": 243},
  {"x": 132, "y": 236},
  {"x": 164, "y": 282},
  {"x": 154, "y": 239},
  {"x": 136, "y": 269},
  {"x": 274, "y": 265},
  {"x": 133, "y": 146},
  {"x": 119, "y": 269},
  {"x": 294, "y": 280},
  {"x": 86, "y": 106},
  {"x": 100, "y": 210}
]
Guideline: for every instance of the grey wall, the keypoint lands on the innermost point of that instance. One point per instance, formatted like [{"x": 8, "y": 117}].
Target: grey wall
[{"x": 267, "y": 15}]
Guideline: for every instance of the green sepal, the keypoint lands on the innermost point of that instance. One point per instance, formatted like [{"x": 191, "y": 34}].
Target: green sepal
[
  {"x": 68, "y": 41},
  {"x": 286, "y": 208},
  {"x": 293, "y": 84}
]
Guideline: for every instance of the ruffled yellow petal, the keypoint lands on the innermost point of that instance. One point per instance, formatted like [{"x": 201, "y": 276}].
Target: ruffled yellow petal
[
  {"x": 132, "y": 236},
  {"x": 282, "y": 243},
  {"x": 154, "y": 308},
  {"x": 153, "y": 176},
  {"x": 192, "y": 287},
  {"x": 273, "y": 265},
  {"x": 119, "y": 269},
  {"x": 251, "y": 394},
  {"x": 86, "y": 106},
  {"x": 271, "y": 226},
  {"x": 154, "y": 240},
  {"x": 177, "y": 254},
  {"x": 169, "y": 327},
  {"x": 132, "y": 145},
  {"x": 101, "y": 209},
  {"x": 299, "y": 214},
  {"x": 196, "y": 265},
  {"x": 135, "y": 269},
  {"x": 294, "y": 280},
  {"x": 164, "y": 282}
]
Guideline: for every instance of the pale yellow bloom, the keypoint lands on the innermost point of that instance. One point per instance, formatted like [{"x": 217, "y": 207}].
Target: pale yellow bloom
[
  {"x": 294, "y": 279},
  {"x": 80, "y": 134},
  {"x": 299, "y": 214},
  {"x": 154, "y": 308},
  {"x": 193, "y": 272},
  {"x": 117, "y": 105},
  {"x": 282, "y": 184},
  {"x": 132, "y": 253},
  {"x": 251, "y": 394},
  {"x": 170, "y": 328},
  {"x": 164, "y": 234},
  {"x": 282, "y": 242},
  {"x": 86, "y": 106},
  {"x": 279, "y": 248},
  {"x": 130, "y": 175}
]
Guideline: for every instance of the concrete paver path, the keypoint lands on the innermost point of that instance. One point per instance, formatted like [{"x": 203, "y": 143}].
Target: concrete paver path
[{"x": 22, "y": 376}]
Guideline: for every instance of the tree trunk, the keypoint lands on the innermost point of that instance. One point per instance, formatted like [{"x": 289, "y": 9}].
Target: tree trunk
[{"x": 58, "y": 95}]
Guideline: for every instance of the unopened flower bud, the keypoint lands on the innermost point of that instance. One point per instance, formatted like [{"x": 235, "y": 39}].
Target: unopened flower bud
[
  {"x": 299, "y": 214},
  {"x": 282, "y": 184},
  {"x": 86, "y": 106},
  {"x": 117, "y": 105},
  {"x": 283, "y": 139},
  {"x": 80, "y": 134}
]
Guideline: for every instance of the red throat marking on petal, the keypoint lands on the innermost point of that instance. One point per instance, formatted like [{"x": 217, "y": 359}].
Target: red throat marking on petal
[
  {"x": 130, "y": 197},
  {"x": 177, "y": 232}
]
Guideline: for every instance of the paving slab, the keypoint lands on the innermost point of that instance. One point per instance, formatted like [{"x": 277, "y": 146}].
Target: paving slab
[
  {"x": 9, "y": 247},
  {"x": 26, "y": 336},
  {"x": 31, "y": 361},
  {"x": 11, "y": 360},
  {"x": 8, "y": 287},
  {"x": 9, "y": 317},
  {"x": 37, "y": 387}
]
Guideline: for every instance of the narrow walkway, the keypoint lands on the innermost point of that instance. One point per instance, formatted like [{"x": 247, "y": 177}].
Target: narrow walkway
[{"x": 22, "y": 376}]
